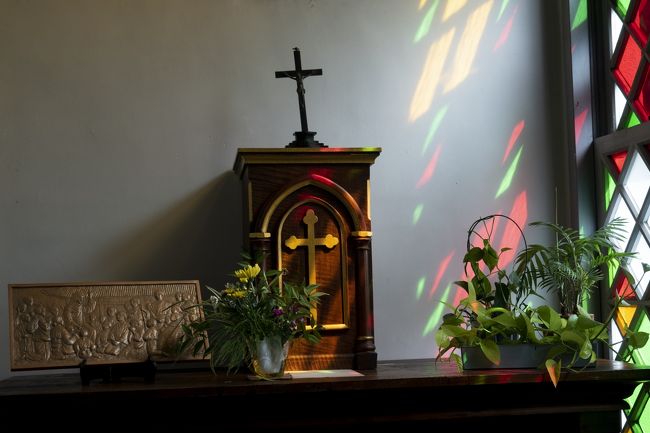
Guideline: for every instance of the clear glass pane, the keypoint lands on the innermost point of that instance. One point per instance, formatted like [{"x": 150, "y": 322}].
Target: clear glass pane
[
  {"x": 640, "y": 246},
  {"x": 615, "y": 336},
  {"x": 617, "y": 25},
  {"x": 619, "y": 104},
  {"x": 620, "y": 210},
  {"x": 637, "y": 182}
]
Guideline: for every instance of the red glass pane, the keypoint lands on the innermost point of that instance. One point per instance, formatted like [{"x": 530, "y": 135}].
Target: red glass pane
[
  {"x": 618, "y": 159},
  {"x": 627, "y": 64},
  {"x": 642, "y": 101},
  {"x": 640, "y": 25},
  {"x": 624, "y": 289}
]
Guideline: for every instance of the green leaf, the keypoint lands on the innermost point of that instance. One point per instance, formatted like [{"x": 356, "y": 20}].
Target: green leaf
[
  {"x": 506, "y": 319},
  {"x": 554, "y": 368},
  {"x": 573, "y": 339},
  {"x": 550, "y": 317},
  {"x": 456, "y": 359},
  {"x": 454, "y": 331},
  {"x": 442, "y": 339},
  {"x": 490, "y": 257},
  {"x": 473, "y": 255},
  {"x": 491, "y": 351},
  {"x": 462, "y": 284},
  {"x": 637, "y": 340}
]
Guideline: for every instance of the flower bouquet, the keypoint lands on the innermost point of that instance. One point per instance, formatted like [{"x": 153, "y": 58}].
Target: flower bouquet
[{"x": 253, "y": 321}]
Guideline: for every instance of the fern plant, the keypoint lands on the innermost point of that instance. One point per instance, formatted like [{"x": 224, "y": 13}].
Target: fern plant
[{"x": 571, "y": 267}]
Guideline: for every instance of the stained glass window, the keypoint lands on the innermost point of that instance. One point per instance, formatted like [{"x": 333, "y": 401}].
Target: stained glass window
[{"x": 625, "y": 157}]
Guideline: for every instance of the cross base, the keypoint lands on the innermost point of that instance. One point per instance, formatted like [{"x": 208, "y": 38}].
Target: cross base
[{"x": 305, "y": 139}]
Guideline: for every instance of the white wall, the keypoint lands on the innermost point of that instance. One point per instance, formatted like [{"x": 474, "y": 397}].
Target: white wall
[{"x": 120, "y": 121}]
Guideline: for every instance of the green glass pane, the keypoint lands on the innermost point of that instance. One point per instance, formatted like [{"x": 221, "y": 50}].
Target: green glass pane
[
  {"x": 610, "y": 186},
  {"x": 622, "y": 7},
  {"x": 633, "y": 121},
  {"x": 644, "y": 419},
  {"x": 632, "y": 399}
]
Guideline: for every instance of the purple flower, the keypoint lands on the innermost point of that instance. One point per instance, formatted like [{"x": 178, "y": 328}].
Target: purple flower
[{"x": 277, "y": 311}]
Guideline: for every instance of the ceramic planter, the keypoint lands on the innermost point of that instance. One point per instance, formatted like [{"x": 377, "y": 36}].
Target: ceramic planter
[{"x": 513, "y": 356}]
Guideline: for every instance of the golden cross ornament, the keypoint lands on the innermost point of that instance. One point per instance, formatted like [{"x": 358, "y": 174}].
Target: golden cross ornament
[{"x": 311, "y": 242}]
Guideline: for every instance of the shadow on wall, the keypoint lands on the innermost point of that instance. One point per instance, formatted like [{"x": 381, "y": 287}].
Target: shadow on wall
[{"x": 200, "y": 237}]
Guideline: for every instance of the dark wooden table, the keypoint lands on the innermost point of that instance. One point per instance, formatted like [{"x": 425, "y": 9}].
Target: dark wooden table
[{"x": 419, "y": 395}]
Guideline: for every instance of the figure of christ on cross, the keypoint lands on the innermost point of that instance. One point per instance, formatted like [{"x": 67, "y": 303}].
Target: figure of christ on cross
[
  {"x": 311, "y": 242},
  {"x": 304, "y": 138}
]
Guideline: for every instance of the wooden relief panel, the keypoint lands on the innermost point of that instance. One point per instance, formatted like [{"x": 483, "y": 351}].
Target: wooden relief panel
[{"x": 56, "y": 326}]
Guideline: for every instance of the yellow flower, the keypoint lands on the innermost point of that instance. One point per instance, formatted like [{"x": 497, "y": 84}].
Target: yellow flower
[
  {"x": 248, "y": 273},
  {"x": 238, "y": 294}
]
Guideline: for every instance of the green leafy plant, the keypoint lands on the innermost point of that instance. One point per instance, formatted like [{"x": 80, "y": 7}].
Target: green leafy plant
[
  {"x": 255, "y": 306},
  {"x": 495, "y": 313},
  {"x": 571, "y": 267}
]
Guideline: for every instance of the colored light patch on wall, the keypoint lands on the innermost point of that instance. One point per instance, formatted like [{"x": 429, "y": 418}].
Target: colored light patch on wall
[
  {"x": 436, "y": 315},
  {"x": 442, "y": 268},
  {"x": 514, "y": 135},
  {"x": 468, "y": 46},
  {"x": 505, "y": 33},
  {"x": 425, "y": 25},
  {"x": 422, "y": 4},
  {"x": 579, "y": 123},
  {"x": 510, "y": 174},
  {"x": 430, "y": 169},
  {"x": 417, "y": 213},
  {"x": 430, "y": 77},
  {"x": 452, "y": 7},
  {"x": 419, "y": 291},
  {"x": 502, "y": 9},
  {"x": 581, "y": 15},
  {"x": 435, "y": 124},
  {"x": 511, "y": 235}
]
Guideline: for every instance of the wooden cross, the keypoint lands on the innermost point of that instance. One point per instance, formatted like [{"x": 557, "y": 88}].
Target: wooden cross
[
  {"x": 304, "y": 138},
  {"x": 311, "y": 242}
]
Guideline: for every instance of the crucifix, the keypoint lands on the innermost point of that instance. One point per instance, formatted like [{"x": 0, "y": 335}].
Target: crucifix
[
  {"x": 305, "y": 137},
  {"x": 311, "y": 242}
]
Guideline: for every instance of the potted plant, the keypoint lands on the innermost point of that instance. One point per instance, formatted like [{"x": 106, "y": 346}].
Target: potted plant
[
  {"x": 495, "y": 325},
  {"x": 252, "y": 322}
]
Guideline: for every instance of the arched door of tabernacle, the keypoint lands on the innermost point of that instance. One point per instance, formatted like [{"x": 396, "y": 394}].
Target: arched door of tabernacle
[{"x": 313, "y": 219}]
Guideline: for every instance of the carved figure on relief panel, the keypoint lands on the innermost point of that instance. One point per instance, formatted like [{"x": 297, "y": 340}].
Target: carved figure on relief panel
[
  {"x": 119, "y": 337},
  {"x": 137, "y": 347},
  {"x": 151, "y": 337},
  {"x": 62, "y": 340},
  {"x": 42, "y": 325},
  {"x": 24, "y": 330},
  {"x": 158, "y": 308}
]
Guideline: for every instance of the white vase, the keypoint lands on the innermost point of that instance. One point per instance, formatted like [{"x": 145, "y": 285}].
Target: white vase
[{"x": 270, "y": 357}]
